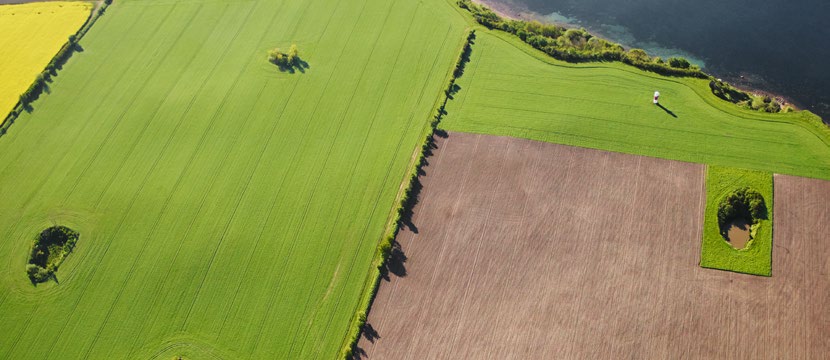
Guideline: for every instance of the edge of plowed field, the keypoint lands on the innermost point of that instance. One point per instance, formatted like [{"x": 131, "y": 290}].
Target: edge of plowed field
[{"x": 416, "y": 161}]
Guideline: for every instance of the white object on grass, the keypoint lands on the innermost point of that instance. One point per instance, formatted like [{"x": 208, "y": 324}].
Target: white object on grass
[{"x": 656, "y": 96}]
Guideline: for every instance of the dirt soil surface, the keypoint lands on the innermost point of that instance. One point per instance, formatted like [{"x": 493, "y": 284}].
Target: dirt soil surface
[
  {"x": 739, "y": 233},
  {"x": 527, "y": 250}
]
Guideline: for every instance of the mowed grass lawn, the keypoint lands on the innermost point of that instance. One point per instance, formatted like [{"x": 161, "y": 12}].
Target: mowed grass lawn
[
  {"x": 225, "y": 208},
  {"x": 512, "y": 89},
  {"x": 31, "y": 35}
]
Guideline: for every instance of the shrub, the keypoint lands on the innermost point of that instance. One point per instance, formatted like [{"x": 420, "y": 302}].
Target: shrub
[
  {"x": 293, "y": 55},
  {"x": 679, "y": 63},
  {"x": 37, "y": 273},
  {"x": 727, "y": 92},
  {"x": 638, "y": 55}
]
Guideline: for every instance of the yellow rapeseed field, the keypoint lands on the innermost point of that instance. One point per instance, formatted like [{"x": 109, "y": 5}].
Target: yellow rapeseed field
[{"x": 30, "y": 35}]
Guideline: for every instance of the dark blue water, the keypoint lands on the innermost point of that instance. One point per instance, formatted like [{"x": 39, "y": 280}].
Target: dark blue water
[{"x": 780, "y": 46}]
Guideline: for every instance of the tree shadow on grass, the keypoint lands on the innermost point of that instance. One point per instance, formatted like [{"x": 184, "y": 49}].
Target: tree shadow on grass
[
  {"x": 666, "y": 110},
  {"x": 298, "y": 65}
]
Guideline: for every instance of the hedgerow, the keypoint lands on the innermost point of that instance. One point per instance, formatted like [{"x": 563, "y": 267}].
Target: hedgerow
[
  {"x": 51, "y": 70},
  {"x": 406, "y": 201}
]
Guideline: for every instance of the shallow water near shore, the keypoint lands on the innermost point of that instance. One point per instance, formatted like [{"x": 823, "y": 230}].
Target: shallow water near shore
[{"x": 777, "y": 46}]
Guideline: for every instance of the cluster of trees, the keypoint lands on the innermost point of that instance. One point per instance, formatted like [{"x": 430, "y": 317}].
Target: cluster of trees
[
  {"x": 285, "y": 60},
  {"x": 729, "y": 93},
  {"x": 577, "y": 45},
  {"x": 48, "y": 251},
  {"x": 743, "y": 203}
]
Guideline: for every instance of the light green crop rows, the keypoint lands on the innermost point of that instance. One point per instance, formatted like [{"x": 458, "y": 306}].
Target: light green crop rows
[
  {"x": 225, "y": 208},
  {"x": 512, "y": 89}
]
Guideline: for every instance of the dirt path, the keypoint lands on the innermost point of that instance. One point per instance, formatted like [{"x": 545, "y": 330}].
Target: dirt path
[{"x": 520, "y": 249}]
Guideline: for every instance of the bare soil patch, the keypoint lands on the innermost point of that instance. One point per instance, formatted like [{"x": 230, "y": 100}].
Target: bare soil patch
[
  {"x": 520, "y": 249},
  {"x": 739, "y": 234}
]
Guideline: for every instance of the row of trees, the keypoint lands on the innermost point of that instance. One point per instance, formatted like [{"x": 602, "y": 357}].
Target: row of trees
[
  {"x": 41, "y": 81},
  {"x": 386, "y": 249}
]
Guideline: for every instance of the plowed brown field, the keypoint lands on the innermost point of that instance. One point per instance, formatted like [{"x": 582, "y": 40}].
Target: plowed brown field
[{"x": 528, "y": 250}]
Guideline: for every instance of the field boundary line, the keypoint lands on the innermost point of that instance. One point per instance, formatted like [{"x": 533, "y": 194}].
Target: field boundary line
[
  {"x": 97, "y": 10},
  {"x": 546, "y": 137},
  {"x": 372, "y": 278},
  {"x": 394, "y": 283}
]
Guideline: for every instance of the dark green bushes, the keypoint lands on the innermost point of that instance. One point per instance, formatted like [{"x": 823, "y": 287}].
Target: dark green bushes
[
  {"x": 742, "y": 204},
  {"x": 577, "y": 45},
  {"x": 729, "y": 93},
  {"x": 49, "y": 250}
]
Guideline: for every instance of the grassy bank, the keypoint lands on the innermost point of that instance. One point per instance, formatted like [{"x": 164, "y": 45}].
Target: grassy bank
[{"x": 515, "y": 90}]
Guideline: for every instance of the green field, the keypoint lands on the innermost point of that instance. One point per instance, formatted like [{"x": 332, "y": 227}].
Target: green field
[
  {"x": 512, "y": 89},
  {"x": 715, "y": 252},
  {"x": 225, "y": 208}
]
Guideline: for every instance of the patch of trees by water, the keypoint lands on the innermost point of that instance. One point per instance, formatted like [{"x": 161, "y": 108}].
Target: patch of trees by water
[
  {"x": 746, "y": 100},
  {"x": 744, "y": 205},
  {"x": 578, "y": 45}
]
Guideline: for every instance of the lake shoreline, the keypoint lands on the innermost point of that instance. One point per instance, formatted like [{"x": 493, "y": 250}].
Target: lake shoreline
[{"x": 513, "y": 12}]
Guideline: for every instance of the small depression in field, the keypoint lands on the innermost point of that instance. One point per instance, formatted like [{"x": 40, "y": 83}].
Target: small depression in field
[{"x": 738, "y": 234}]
